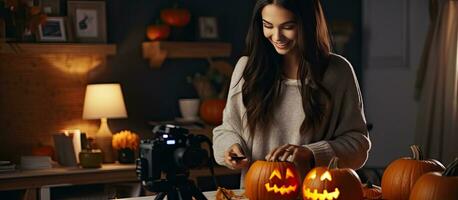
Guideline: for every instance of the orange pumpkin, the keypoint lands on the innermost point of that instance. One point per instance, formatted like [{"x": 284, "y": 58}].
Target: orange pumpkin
[
  {"x": 176, "y": 16},
  {"x": 158, "y": 32},
  {"x": 272, "y": 181},
  {"x": 211, "y": 111},
  {"x": 372, "y": 191},
  {"x": 43, "y": 150},
  {"x": 435, "y": 185},
  {"x": 400, "y": 175},
  {"x": 332, "y": 183}
]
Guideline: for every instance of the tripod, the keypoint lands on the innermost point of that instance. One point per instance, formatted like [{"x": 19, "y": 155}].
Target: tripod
[{"x": 176, "y": 187}]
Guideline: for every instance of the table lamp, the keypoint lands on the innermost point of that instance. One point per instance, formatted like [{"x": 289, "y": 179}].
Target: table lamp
[{"x": 104, "y": 101}]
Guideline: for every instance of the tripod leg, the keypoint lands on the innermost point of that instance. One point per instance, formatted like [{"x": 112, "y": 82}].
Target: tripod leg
[
  {"x": 196, "y": 192},
  {"x": 160, "y": 196},
  {"x": 173, "y": 194}
]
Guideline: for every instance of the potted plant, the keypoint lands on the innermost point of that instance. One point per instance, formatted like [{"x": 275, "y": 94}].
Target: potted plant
[
  {"x": 126, "y": 142},
  {"x": 212, "y": 88}
]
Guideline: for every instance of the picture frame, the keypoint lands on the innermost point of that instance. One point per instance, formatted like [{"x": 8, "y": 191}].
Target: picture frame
[
  {"x": 50, "y": 7},
  {"x": 53, "y": 30},
  {"x": 207, "y": 28},
  {"x": 88, "y": 21}
]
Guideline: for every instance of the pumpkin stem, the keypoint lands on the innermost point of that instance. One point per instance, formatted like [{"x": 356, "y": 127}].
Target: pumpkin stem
[
  {"x": 452, "y": 169},
  {"x": 333, "y": 163},
  {"x": 369, "y": 184},
  {"x": 416, "y": 152}
]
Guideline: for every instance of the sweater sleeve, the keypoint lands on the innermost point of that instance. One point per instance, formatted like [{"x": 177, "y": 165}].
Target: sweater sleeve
[
  {"x": 350, "y": 140},
  {"x": 229, "y": 132}
]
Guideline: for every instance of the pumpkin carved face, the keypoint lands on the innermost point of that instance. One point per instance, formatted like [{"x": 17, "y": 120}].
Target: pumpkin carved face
[
  {"x": 272, "y": 180},
  {"x": 332, "y": 183},
  {"x": 286, "y": 188}
]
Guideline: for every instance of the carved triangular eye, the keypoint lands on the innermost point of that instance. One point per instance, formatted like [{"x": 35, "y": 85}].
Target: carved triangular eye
[
  {"x": 275, "y": 173},
  {"x": 312, "y": 175},
  {"x": 326, "y": 175},
  {"x": 289, "y": 173}
]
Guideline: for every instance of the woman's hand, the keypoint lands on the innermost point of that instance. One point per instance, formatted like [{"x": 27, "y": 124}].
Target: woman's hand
[
  {"x": 301, "y": 156},
  {"x": 235, "y": 158}
]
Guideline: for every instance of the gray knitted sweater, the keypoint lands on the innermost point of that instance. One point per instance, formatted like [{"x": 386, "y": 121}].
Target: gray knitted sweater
[{"x": 345, "y": 136}]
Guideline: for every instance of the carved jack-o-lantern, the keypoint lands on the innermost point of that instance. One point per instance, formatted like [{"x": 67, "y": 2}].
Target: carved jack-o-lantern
[
  {"x": 272, "y": 181},
  {"x": 332, "y": 183}
]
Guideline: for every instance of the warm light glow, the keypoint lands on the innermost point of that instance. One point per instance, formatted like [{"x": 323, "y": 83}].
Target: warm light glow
[
  {"x": 326, "y": 175},
  {"x": 312, "y": 175},
  {"x": 289, "y": 173},
  {"x": 104, "y": 101},
  {"x": 315, "y": 195},
  {"x": 285, "y": 189},
  {"x": 73, "y": 64},
  {"x": 282, "y": 190},
  {"x": 275, "y": 173}
]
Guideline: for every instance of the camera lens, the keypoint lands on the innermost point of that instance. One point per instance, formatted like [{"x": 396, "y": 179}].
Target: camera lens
[{"x": 190, "y": 157}]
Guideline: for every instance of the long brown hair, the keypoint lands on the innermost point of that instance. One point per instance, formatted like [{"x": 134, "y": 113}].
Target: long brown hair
[{"x": 263, "y": 72}]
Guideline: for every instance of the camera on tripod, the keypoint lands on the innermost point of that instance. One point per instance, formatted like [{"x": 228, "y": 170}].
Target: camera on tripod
[{"x": 172, "y": 151}]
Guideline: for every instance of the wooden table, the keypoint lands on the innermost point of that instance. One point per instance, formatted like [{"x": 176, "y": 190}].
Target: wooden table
[
  {"x": 210, "y": 196},
  {"x": 37, "y": 183}
]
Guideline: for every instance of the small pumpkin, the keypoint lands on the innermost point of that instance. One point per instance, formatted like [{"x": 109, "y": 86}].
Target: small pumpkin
[
  {"x": 332, "y": 183},
  {"x": 158, "y": 32},
  {"x": 43, "y": 150},
  {"x": 211, "y": 111},
  {"x": 176, "y": 16},
  {"x": 272, "y": 181},
  {"x": 401, "y": 174},
  {"x": 371, "y": 191},
  {"x": 436, "y": 185}
]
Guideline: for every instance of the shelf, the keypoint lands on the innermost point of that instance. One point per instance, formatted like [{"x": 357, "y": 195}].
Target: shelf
[
  {"x": 58, "y": 48},
  {"x": 157, "y": 52}
]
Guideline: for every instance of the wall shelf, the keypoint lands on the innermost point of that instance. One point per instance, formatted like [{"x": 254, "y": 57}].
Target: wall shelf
[
  {"x": 58, "y": 48},
  {"x": 158, "y": 51}
]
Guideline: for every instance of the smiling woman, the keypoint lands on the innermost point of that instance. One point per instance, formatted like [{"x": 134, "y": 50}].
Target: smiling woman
[{"x": 291, "y": 98}]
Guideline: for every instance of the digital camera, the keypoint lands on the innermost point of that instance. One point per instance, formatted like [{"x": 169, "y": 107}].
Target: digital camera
[{"x": 172, "y": 151}]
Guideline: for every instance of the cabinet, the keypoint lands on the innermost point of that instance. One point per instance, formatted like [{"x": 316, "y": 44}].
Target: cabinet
[{"x": 156, "y": 52}]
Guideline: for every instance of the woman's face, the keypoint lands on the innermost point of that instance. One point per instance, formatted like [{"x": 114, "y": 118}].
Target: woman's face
[{"x": 280, "y": 28}]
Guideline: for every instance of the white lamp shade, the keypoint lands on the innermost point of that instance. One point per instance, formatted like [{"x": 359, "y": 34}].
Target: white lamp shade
[{"x": 104, "y": 101}]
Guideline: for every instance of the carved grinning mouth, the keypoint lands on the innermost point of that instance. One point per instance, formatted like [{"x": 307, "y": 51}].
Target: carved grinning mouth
[
  {"x": 282, "y": 190},
  {"x": 321, "y": 196}
]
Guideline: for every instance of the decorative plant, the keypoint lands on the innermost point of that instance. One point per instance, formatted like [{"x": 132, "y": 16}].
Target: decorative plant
[
  {"x": 125, "y": 140},
  {"x": 400, "y": 175},
  {"x": 215, "y": 82},
  {"x": 272, "y": 181},
  {"x": 212, "y": 89},
  {"x": 332, "y": 183},
  {"x": 436, "y": 185}
]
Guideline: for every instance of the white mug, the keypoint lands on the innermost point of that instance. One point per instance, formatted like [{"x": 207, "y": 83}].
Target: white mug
[{"x": 189, "y": 108}]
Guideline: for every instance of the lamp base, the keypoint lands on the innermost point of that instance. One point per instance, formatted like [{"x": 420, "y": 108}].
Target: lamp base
[{"x": 103, "y": 139}]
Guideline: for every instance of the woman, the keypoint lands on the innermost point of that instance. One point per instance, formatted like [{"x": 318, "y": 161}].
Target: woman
[{"x": 291, "y": 99}]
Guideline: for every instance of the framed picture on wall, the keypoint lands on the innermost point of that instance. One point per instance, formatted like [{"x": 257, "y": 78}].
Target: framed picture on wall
[
  {"x": 88, "y": 20},
  {"x": 50, "y": 7},
  {"x": 208, "y": 28},
  {"x": 53, "y": 30}
]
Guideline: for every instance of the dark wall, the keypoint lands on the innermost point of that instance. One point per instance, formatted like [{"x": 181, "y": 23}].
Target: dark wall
[
  {"x": 152, "y": 94},
  {"x": 348, "y": 10}
]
